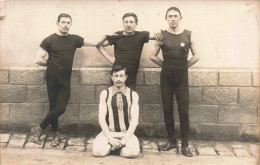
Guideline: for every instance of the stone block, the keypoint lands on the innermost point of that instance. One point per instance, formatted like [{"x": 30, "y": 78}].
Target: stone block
[
  {"x": 26, "y": 112},
  {"x": 150, "y": 151},
  {"x": 4, "y": 113},
  {"x": 234, "y": 78},
  {"x": 140, "y": 78},
  {"x": 222, "y": 148},
  {"x": 219, "y": 131},
  {"x": 37, "y": 94},
  {"x": 255, "y": 78},
  {"x": 96, "y": 76},
  {"x": 152, "y": 77},
  {"x": 89, "y": 113},
  {"x": 26, "y": 76},
  {"x": 75, "y": 148},
  {"x": 152, "y": 113},
  {"x": 237, "y": 114},
  {"x": 203, "y": 113},
  {"x": 75, "y": 76},
  {"x": 248, "y": 96},
  {"x": 250, "y": 129},
  {"x": 32, "y": 145},
  {"x": 19, "y": 136},
  {"x": 145, "y": 130},
  {"x": 99, "y": 89},
  {"x": 4, "y": 77},
  {"x": 203, "y": 77},
  {"x": 254, "y": 148},
  {"x": 71, "y": 114},
  {"x": 4, "y": 138},
  {"x": 226, "y": 153},
  {"x": 16, "y": 143},
  {"x": 82, "y": 94},
  {"x": 49, "y": 146},
  {"x": 89, "y": 147},
  {"x": 195, "y": 94},
  {"x": 90, "y": 141},
  {"x": 148, "y": 94},
  {"x": 76, "y": 142},
  {"x": 12, "y": 93},
  {"x": 206, "y": 151},
  {"x": 31, "y": 138},
  {"x": 149, "y": 145},
  {"x": 220, "y": 95},
  {"x": 242, "y": 153},
  {"x": 3, "y": 145},
  {"x": 238, "y": 146}
]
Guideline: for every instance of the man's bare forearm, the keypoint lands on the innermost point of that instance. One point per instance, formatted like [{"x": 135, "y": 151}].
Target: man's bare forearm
[
  {"x": 193, "y": 60},
  {"x": 103, "y": 51}
]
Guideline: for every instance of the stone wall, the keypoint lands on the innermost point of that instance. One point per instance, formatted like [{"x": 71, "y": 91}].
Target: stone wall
[{"x": 224, "y": 104}]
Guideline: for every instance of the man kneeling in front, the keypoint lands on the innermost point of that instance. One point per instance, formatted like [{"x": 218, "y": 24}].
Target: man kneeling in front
[{"x": 118, "y": 117}]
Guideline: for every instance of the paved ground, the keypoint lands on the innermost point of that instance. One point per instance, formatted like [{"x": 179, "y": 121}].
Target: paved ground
[{"x": 17, "y": 149}]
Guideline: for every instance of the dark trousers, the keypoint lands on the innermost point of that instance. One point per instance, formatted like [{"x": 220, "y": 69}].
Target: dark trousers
[
  {"x": 59, "y": 95},
  {"x": 175, "y": 83},
  {"x": 131, "y": 79}
]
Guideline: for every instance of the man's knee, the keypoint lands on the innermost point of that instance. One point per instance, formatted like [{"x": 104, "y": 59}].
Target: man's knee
[
  {"x": 130, "y": 152},
  {"x": 99, "y": 152}
]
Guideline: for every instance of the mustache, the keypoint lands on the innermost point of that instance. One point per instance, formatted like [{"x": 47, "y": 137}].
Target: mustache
[{"x": 119, "y": 82}]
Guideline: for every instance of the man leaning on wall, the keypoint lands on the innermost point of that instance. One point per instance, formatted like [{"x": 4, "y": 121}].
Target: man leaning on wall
[
  {"x": 128, "y": 46},
  {"x": 60, "y": 47}
]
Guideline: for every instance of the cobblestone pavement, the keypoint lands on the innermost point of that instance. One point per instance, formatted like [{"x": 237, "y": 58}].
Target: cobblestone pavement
[{"x": 19, "y": 149}]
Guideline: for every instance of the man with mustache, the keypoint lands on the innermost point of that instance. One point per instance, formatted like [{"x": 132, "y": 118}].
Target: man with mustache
[
  {"x": 60, "y": 47},
  {"x": 128, "y": 46},
  {"x": 118, "y": 117},
  {"x": 174, "y": 76}
]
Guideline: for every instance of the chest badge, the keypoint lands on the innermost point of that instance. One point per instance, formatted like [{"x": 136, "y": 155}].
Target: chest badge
[{"x": 182, "y": 44}]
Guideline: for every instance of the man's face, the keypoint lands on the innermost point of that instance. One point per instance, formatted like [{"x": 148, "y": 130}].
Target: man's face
[
  {"x": 64, "y": 24},
  {"x": 129, "y": 24},
  {"x": 119, "y": 78},
  {"x": 173, "y": 18}
]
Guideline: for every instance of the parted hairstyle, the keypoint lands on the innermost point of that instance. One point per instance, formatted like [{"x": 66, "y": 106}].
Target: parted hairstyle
[
  {"x": 117, "y": 68},
  {"x": 64, "y": 15},
  {"x": 130, "y": 15}
]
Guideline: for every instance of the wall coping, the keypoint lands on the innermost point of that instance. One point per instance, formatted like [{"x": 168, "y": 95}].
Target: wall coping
[{"x": 140, "y": 69}]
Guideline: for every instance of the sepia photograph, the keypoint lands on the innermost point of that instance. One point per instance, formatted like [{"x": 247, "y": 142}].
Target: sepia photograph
[{"x": 123, "y": 82}]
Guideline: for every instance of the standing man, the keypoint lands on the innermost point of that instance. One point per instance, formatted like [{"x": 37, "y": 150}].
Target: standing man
[
  {"x": 60, "y": 47},
  {"x": 128, "y": 46},
  {"x": 174, "y": 76},
  {"x": 118, "y": 117}
]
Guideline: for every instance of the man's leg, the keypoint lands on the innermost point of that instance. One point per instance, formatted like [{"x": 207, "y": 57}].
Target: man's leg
[
  {"x": 131, "y": 149},
  {"x": 131, "y": 79},
  {"x": 63, "y": 96},
  {"x": 52, "y": 89},
  {"x": 101, "y": 147},
  {"x": 167, "y": 92},
  {"x": 182, "y": 97}
]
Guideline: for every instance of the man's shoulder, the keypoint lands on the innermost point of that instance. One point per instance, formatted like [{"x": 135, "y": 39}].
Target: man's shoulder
[
  {"x": 51, "y": 36},
  {"x": 75, "y": 36}
]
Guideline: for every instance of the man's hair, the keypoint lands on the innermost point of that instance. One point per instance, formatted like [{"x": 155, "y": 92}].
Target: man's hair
[
  {"x": 64, "y": 15},
  {"x": 130, "y": 15},
  {"x": 173, "y": 8},
  {"x": 117, "y": 68}
]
